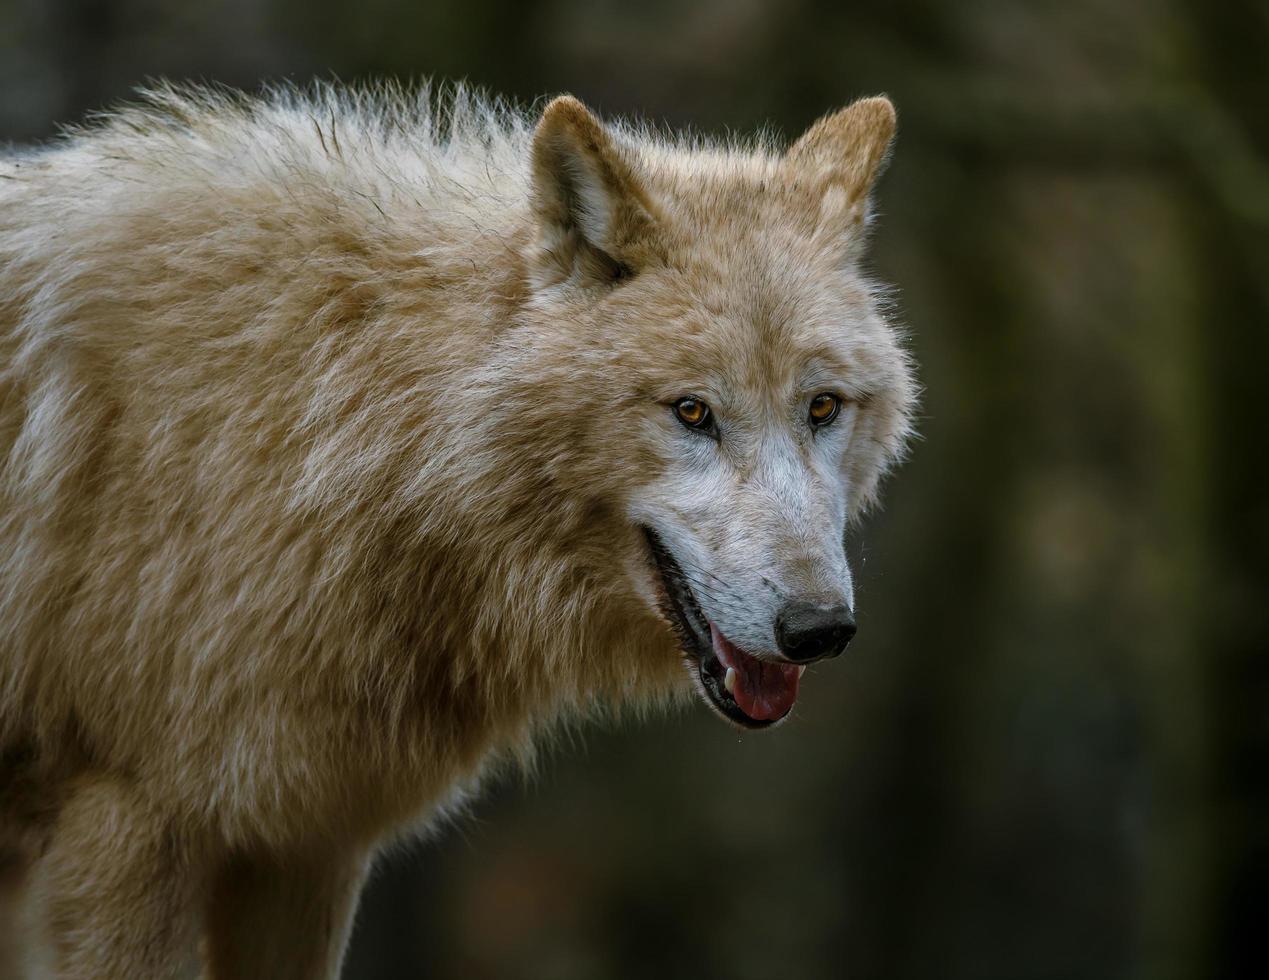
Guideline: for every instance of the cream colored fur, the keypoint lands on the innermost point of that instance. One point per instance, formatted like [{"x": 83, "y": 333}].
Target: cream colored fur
[{"x": 321, "y": 418}]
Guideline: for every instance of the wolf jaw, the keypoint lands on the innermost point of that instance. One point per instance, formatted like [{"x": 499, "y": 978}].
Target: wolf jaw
[{"x": 746, "y": 691}]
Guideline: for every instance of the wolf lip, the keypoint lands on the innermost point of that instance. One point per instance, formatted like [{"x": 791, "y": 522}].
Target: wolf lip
[{"x": 760, "y": 693}]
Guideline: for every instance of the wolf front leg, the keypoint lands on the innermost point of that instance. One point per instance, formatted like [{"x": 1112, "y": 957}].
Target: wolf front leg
[
  {"x": 112, "y": 896},
  {"x": 282, "y": 918}
]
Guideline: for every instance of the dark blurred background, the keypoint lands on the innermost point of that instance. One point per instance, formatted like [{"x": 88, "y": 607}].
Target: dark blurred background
[{"x": 1047, "y": 755}]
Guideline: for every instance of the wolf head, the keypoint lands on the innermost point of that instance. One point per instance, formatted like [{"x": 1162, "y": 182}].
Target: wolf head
[{"x": 738, "y": 390}]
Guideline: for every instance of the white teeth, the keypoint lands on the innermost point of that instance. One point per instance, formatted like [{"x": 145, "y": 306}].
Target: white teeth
[
  {"x": 729, "y": 681},
  {"x": 801, "y": 671}
]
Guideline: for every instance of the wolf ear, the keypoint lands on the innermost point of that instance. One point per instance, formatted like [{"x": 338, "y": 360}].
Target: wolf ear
[
  {"x": 593, "y": 216},
  {"x": 841, "y": 156}
]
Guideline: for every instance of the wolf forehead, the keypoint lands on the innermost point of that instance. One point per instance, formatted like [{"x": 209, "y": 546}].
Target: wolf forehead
[
  {"x": 744, "y": 257},
  {"x": 760, "y": 308},
  {"x": 755, "y": 328}
]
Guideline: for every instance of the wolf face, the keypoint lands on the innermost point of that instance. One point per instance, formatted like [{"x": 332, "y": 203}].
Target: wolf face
[{"x": 745, "y": 391}]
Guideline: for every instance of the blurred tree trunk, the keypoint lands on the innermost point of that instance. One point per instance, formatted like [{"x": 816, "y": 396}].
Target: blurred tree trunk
[{"x": 1229, "y": 43}]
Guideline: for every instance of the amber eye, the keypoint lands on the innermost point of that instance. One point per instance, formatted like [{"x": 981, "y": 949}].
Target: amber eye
[
  {"x": 824, "y": 408},
  {"x": 693, "y": 413}
]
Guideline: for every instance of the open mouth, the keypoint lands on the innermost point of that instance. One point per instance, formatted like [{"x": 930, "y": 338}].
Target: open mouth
[{"x": 747, "y": 691}]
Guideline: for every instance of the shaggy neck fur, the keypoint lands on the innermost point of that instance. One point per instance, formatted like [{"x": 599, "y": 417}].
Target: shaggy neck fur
[{"x": 392, "y": 523}]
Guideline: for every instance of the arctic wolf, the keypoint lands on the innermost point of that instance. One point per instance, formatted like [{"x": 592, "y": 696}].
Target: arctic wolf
[{"x": 349, "y": 440}]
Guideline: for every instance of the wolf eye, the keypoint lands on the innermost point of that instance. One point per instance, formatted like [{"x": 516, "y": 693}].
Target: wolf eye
[
  {"x": 694, "y": 413},
  {"x": 824, "y": 408}
]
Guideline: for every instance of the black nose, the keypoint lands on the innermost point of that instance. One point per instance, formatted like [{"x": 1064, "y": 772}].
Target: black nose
[{"x": 809, "y": 632}]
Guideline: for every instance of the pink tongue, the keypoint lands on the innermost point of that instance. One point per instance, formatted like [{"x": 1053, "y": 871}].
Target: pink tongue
[{"x": 764, "y": 691}]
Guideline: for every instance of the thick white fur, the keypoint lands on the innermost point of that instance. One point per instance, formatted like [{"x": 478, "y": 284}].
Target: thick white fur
[{"x": 322, "y": 426}]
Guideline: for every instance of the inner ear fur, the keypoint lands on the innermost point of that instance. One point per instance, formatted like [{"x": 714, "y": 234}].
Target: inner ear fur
[
  {"x": 592, "y": 211},
  {"x": 842, "y": 155}
]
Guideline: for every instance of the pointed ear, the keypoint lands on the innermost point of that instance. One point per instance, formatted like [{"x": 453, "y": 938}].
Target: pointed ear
[
  {"x": 841, "y": 156},
  {"x": 592, "y": 213}
]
